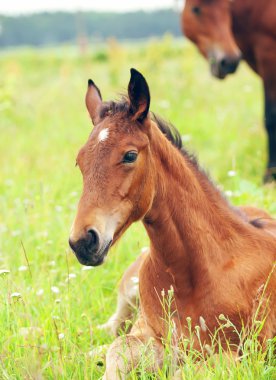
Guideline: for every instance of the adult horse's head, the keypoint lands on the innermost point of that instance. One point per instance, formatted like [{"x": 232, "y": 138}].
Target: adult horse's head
[
  {"x": 208, "y": 24},
  {"x": 116, "y": 170}
]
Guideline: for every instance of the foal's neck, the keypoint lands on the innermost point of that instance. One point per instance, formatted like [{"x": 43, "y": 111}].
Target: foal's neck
[{"x": 190, "y": 224}]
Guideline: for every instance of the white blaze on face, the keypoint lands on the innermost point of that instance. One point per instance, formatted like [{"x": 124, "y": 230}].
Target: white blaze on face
[{"x": 103, "y": 135}]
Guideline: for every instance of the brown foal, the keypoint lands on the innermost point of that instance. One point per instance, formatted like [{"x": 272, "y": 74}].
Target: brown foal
[{"x": 215, "y": 257}]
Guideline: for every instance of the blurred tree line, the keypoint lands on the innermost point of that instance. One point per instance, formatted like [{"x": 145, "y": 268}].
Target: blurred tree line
[{"x": 61, "y": 27}]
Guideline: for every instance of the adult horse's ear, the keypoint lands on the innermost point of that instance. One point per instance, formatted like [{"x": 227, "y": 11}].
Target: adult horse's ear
[
  {"x": 139, "y": 96},
  {"x": 93, "y": 101}
]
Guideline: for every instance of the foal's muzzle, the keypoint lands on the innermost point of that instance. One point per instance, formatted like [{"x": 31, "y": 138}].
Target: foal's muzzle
[{"x": 88, "y": 249}]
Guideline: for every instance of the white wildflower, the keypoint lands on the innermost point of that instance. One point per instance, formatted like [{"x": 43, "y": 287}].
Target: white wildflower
[
  {"x": 231, "y": 173},
  {"x": 55, "y": 289},
  {"x": 144, "y": 249},
  {"x": 39, "y": 292},
  {"x": 23, "y": 268},
  {"x": 16, "y": 295},
  {"x": 84, "y": 268},
  {"x": 61, "y": 336},
  {"x": 229, "y": 193}
]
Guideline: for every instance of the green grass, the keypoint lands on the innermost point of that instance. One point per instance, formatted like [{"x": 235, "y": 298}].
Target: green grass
[{"x": 43, "y": 123}]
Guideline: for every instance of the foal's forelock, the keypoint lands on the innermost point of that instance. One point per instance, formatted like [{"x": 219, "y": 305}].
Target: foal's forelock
[{"x": 113, "y": 108}]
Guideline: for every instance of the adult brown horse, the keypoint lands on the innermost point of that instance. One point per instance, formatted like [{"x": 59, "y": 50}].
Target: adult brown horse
[
  {"x": 223, "y": 28},
  {"x": 216, "y": 257}
]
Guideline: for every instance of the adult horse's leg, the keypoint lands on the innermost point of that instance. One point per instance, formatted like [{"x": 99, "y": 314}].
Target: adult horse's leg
[
  {"x": 126, "y": 352},
  {"x": 266, "y": 58},
  {"x": 270, "y": 123}
]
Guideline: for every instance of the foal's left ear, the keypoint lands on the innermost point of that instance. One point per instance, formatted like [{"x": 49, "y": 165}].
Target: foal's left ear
[
  {"x": 139, "y": 96},
  {"x": 93, "y": 101}
]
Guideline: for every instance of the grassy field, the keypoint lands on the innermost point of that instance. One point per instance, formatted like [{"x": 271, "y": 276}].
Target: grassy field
[{"x": 50, "y": 305}]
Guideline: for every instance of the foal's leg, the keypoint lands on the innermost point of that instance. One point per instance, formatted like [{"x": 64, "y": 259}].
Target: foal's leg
[
  {"x": 124, "y": 311},
  {"x": 126, "y": 352},
  {"x": 128, "y": 296}
]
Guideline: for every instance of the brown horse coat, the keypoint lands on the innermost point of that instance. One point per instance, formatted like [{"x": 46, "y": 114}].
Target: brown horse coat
[
  {"x": 222, "y": 28},
  {"x": 214, "y": 258}
]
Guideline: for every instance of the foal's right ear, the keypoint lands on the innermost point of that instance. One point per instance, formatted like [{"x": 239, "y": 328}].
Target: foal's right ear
[
  {"x": 139, "y": 96},
  {"x": 93, "y": 101}
]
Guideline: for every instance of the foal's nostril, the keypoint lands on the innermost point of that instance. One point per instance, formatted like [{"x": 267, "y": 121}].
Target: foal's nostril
[{"x": 92, "y": 240}]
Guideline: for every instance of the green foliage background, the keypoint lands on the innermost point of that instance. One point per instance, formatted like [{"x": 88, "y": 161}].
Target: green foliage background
[
  {"x": 49, "y": 328},
  {"x": 50, "y": 28}
]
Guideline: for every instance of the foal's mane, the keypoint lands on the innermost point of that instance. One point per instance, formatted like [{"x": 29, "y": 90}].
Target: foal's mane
[{"x": 173, "y": 135}]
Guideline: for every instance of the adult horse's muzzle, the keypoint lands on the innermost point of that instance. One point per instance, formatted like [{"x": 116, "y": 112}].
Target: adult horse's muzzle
[
  {"x": 89, "y": 250},
  {"x": 222, "y": 65}
]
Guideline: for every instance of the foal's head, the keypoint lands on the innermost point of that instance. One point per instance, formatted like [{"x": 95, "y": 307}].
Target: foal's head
[{"x": 116, "y": 165}]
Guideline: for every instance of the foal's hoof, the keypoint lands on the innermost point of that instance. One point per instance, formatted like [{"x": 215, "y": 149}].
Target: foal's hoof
[
  {"x": 270, "y": 175},
  {"x": 110, "y": 327}
]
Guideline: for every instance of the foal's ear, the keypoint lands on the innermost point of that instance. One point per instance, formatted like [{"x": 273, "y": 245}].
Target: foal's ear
[
  {"x": 93, "y": 101},
  {"x": 139, "y": 95}
]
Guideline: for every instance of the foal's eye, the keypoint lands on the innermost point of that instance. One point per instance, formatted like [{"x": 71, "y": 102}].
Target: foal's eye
[
  {"x": 130, "y": 157},
  {"x": 196, "y": 10}
]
